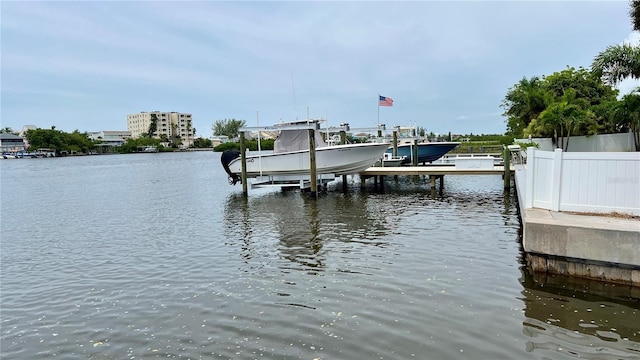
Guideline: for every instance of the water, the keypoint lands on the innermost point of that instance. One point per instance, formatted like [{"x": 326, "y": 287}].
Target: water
[{"x": 155, "y": 256}]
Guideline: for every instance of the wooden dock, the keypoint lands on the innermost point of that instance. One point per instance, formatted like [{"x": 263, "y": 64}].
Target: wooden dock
[
  {"x": 439, "y": 170},
  {"x": 434, "y": 172}
]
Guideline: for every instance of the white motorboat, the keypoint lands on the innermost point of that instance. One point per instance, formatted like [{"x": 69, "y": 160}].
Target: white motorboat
[{"x": 291, "y": 155}]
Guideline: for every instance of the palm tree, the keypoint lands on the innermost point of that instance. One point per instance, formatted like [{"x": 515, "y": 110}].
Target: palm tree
[
  {"x": 523, "y": 103},
  {"x": 634, "y": 12},
  {"x": 617, "y": 62},
  {"x": 628, "y": 116},
  {"x": 564, "y": 116}
]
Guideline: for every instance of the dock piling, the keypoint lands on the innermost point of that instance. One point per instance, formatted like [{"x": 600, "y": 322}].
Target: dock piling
[
  {"x": 243, "y": 162},
  {"x": 506, "y": 156},
  {"x": 312, "y": 163}
]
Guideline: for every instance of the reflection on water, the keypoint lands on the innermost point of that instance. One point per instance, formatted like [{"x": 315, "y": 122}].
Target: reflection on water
[
  {"x": 147, "y": 264},
  {"x": 576, "y": 318},
  {"x": 299, "y": 227}
]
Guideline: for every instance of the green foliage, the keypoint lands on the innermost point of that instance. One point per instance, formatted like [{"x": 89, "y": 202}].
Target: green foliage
[
  {"x": 153, "y": 126},
  {"x": 627, "y": 116},
  {"x": 525, "y": 145},
  {"x": 8, "y": 130},
  {"x": 58, "y": 140},
  {"x": 568, "y": 102},
  {"x": 201, "y": 143},
  {"x": 634, "y": 13},
  {"x": 227, "y": 127},
  {"x": 523, "y": 103},
  {"x": 617, "y": 62},
  {"x": 132, "y": 145}
]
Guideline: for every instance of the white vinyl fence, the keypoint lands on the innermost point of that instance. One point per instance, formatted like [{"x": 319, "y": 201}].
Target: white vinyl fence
[{"x": 594, "y": 182}]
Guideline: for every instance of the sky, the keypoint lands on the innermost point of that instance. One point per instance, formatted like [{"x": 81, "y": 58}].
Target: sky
[{"x": 447, "y": 65}]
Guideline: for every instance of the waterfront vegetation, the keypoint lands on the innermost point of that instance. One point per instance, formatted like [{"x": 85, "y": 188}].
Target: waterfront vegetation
[
  {"x": 60, "y": 141},
  {"x": 80, "y": 143},
  {"x": 578, "y": 101}
]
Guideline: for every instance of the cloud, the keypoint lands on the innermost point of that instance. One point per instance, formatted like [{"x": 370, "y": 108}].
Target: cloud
[{"x": 228, "y": 59}]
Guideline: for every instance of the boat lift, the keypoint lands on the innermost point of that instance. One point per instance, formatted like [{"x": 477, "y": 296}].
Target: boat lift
[{"x": 304, "y": 182}]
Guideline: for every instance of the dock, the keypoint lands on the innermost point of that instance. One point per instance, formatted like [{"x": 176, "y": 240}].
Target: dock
[{"x": 435, "y": 172}]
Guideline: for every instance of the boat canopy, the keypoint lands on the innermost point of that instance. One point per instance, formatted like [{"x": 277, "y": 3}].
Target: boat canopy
[{"x": 295, "y": 140}]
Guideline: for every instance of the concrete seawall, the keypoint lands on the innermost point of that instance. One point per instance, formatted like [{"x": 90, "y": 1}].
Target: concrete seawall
[{"x": 593, "y": 247}]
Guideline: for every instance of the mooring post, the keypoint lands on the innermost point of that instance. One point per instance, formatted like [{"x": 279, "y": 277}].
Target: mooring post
[
  {"x": 312, "y": 163},
  {"x": 414, "y": 154},
  {"x": 432, "y": 179},
  {"x": 506, "y": 156},
  {"x": 243, "y": 162},
  {"x": 441, "y": 182},
  {"x": 395, "y": 143},
  {"x": 343, "y": 140}
]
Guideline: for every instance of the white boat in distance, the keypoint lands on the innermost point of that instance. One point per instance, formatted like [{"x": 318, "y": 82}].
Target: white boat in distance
[{"x": 291, "y": 155}]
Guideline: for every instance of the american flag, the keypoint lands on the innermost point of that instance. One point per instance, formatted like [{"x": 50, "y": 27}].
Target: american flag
[{"x": 385, "y": 101}]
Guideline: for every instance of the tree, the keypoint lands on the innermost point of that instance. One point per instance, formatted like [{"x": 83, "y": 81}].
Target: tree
[
  {"x": 201, "y": 143},
  {"x": 628, "y": 116},
  {"x": 523, "y": 103},
  {"x": 175, "y": 136},
  {"x": 634, "y": 13},
  {"x": 8, "y": 130},
  {"x": 153, "y": 126},
  {"x": 616, "y": 63},
  {"x": 227, "y": 127},
  {"x": 527, "y": 100},
  {"x": 58, "y": 140},
  {"x": 189, "y": 137}
]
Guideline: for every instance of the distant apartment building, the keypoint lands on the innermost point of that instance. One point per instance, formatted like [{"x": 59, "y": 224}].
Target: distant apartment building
[{"x": 172, "y": 124}]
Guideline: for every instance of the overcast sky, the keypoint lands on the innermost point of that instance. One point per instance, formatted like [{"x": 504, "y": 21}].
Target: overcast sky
[{"x": 447, "y": 65}]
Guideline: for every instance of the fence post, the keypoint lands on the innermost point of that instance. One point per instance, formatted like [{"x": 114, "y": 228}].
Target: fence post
[
  {"x": 530, "y": 172},
  {"x": 556, "y": 180}
]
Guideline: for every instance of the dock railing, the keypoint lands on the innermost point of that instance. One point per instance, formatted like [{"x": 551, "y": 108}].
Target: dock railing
[{"x": 589, "y": 182}]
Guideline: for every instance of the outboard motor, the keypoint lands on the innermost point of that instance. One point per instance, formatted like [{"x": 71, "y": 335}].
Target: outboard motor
[{"x": 227, "y": 157}]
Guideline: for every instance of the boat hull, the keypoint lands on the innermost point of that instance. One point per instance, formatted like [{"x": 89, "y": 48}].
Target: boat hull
[
  {"x": 427, "y": 152},
  {"x": 338, "y": 160}
]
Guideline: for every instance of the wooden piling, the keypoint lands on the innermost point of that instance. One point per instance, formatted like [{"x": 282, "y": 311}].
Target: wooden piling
[
  {"x": 243, "y": 162},
  {"x": 343, "y": 140},
  {"x": 395, "y": 143},
  {"x": 312, "y": 163},
  {"x": 414, "y": 154},
  {"x": 506, "y": 156}
]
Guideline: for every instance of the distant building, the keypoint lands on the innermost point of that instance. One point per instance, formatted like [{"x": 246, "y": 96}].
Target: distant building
[
  {"x": 170, "y": 124},
  {"x": 110, "y": 138},
  {"x": 11, "y": 143},
  {"x": 23, "y": 133}
]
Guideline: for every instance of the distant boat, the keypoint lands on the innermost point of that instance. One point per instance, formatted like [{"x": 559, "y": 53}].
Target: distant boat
[
  {"x": 427, "y": 152},
  {"x": 291, "y": 155},
  {"x": 149, "y": 149}
]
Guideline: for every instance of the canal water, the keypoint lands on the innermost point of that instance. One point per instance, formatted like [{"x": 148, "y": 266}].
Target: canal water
[{"x": 151, "y": 256}]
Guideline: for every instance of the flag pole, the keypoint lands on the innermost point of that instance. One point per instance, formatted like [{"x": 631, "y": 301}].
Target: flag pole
[{"x": 378, "y": 109}]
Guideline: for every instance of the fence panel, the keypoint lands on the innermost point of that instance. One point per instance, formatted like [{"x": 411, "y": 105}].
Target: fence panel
[{"x": 585, "y": 182}]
